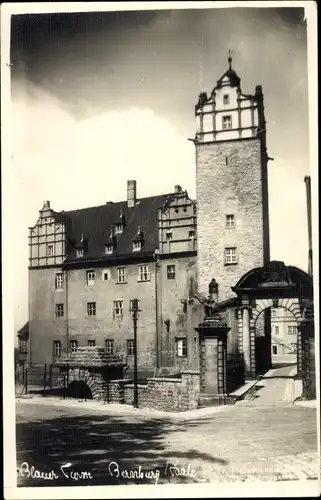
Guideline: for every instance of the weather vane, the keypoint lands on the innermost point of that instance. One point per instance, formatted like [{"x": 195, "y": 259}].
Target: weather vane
[{"x": 230, "y": 52}]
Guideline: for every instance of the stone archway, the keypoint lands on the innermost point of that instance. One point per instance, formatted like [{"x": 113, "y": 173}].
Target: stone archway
[{"x": 267, "y": 286}]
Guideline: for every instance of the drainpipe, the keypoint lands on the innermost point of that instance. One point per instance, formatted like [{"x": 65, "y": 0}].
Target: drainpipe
[
  {"x": 307, "y": 180},
  {"x": 156, "y": 255}
]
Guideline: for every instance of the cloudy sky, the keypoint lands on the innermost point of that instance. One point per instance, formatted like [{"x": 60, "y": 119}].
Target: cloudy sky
[{"x": 104, "y": 97}]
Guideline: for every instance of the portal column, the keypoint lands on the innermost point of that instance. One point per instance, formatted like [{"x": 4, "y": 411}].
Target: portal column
[
  {"x": 308, "y": 356},
  {"x": 246, "y": 339}
]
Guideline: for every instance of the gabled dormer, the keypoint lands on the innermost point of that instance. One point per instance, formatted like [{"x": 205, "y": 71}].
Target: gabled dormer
[
  {"x": 120, "y": 223},
  {"x": 81, "y": 247},
  {"x": 47, "y": 239},
  {"x": 110, "y": 244},
  {"x": 177, "y": 223},
  {"x": 138, "y": 240}
]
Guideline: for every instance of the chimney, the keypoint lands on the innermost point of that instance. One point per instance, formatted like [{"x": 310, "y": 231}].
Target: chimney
[
  {"x": 178, "y": 188},
  {"x": 131, "y": 194},
  {"x": 307, "y": 180}
]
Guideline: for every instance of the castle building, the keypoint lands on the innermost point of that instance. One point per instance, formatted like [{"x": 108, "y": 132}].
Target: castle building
[
  {"x": 284, "y": 330},
  {"x": 87, "y": 265}
]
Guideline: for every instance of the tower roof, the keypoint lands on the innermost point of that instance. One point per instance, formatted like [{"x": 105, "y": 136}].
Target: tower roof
[{"x": 234, "y": 80}]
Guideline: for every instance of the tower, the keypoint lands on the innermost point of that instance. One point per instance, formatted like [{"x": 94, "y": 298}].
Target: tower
[{"x": 231, "y": 183}]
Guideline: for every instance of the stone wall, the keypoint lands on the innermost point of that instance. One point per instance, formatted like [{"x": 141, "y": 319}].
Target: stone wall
[{"x": 165, "y": 394}]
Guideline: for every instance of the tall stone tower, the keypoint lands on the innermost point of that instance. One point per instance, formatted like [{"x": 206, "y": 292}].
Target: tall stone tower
[{"x": 231, "y": 183}]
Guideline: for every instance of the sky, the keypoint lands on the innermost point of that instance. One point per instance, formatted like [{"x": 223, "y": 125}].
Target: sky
[{"x": 100, "y": 98}]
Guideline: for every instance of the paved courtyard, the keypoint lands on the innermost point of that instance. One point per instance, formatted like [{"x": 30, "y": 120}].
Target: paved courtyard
[{"x": 95, "y": 444}]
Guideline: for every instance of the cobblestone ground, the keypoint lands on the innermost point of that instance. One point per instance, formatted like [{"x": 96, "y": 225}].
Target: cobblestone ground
[{"x": 269, "y": 443}]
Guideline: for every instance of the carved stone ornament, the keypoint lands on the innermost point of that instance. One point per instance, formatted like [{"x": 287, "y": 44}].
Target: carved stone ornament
[{"x": 274, "y": 272}]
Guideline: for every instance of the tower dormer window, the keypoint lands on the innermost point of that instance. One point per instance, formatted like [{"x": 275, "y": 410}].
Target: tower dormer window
[
  {"x": 118, "y": 228},
  {"x": 226, "y": 122},
  {"x": 226, "y": 99}
]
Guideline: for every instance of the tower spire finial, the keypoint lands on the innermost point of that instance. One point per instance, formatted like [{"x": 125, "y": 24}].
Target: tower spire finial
[{"x": 230, "y": 58}]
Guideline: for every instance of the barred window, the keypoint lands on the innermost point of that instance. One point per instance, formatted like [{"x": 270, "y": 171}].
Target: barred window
[
  {"x": 171, "y": 272},
  {"x": 130, "y": 347},
  {"x": 230, "y": 221},
  {"x": 59, "y": 281},
  {"x": 121, "y": 275},
  {"x": 230, "y": 255},
  {"x": 109, "y": 347},
  {"x": 57, "y": 348},
  {"x": 226, "y": 122},
  {"x": 73, "y": 345},
  {"x": 118, "y": 308},
  {"x": 90, "y": 275},
  {"x": 181, "y": 348},
  {"x": 143, "y": 273},
  {"x": 91, "y": 308},
  {"x": 59, "y": 310}
]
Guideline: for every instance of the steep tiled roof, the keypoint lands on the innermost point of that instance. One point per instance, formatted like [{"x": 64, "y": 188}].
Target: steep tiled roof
[
  {"x": 95, "y": 225},
  {"x": 84, "y": 357}
]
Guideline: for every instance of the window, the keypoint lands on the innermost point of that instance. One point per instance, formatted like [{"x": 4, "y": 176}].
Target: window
[
  {"x": 109, "y": 347},
  {"x": 294, "y": 347},
  {"x": 90, "y": 277},
  {"x": 121, "y": 275},
  {"x": 230, "y": 221},
  {"x": 59, "y": 281},
  {"x": 79, "y": 252},
  {"x": 292, "y": 330},
  {"x": 105, "y": 275},
  {"x": 143, "y": 273},
  {"x": 118, "y": 308},
  {"x": 130, "y": 347},
  {"x": 226, "y": 122},
  {"x": 230, "y": 255},
  {"x": 49, "y": 250},
  {"x": 57, "y": 348},
  {"x": 181, "y": 348},
  {"x": 276, "y": 330},
  {"x": 131, "y": 305},
  {"x": 226, "y": 99},
  {"x": 169, "y": 236},
  {"x": 91, "y": 343},
  {"x": 273, "y": 311},
  {"x": 109, "y": 249},
  {"x": 59, "y": 310},
  {"x": 73, "y": 345},
  {"x": 171, "y": 272},
  {"x": 274, "y": 349},
  {"x": 91, "y": 308},
  {"x": 191, "y": 234},
  {"x": 137, "y": 245}
]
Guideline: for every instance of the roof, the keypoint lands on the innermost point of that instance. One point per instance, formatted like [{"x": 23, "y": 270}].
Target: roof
[
  {"x": 24, "y": 329},
  {"x": 89, "y": 357},
  {"x": 95, "y": 224}
]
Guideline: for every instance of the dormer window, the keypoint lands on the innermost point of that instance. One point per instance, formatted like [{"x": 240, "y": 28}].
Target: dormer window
[
  {"x": 109, "y": 248},
  {"x": 138, "y": 240},
  {"x": 79, "y": 252},
  {"x": 120, "y": 224},
  {"x": 137, "y": 245}
]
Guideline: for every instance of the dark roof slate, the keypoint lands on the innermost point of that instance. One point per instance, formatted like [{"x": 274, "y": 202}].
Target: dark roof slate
[{"x": 96, "y": 224}]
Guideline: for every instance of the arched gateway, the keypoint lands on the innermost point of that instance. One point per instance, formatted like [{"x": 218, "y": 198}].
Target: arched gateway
[
  {"x": 273, "y": 285},
  {"x": 277, "y": 285}
]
